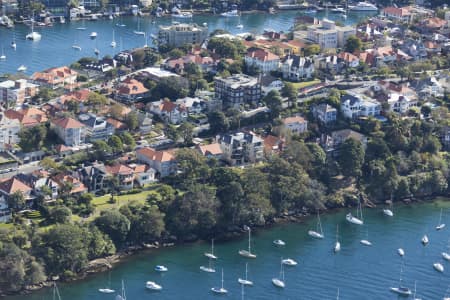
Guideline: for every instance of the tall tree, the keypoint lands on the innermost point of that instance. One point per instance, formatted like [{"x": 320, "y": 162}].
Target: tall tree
[
  {"x": 353, "y": 44},
  {"x": 351, "y": 157}
]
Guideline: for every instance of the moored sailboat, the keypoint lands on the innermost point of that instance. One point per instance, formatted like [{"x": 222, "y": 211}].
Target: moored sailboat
[
  {"x": 337, "y": 244},
  {"x": 211, "y": 254},
  {"x": 248, "y": 253},
  {"x": 220, "y": 290},
  {"x": 358, "y": 220},
  {"x": 279, "y": 281},
  {"x": 245, "y": 281},
  {"x": 401, "y": 290},
  {"x": 318, "y": 233},
  {"x": 440, "y": 224}
]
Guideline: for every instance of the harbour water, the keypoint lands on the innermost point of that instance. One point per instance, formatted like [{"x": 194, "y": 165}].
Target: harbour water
[
  {"x": 55, "y": 46},
  {"x": 360, "y": 272}
]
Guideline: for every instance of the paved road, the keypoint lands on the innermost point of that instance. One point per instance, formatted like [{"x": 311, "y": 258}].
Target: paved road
[{"x": 26, "y": 168}]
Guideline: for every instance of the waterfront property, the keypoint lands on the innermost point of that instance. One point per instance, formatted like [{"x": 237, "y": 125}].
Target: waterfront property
[
  {"x": 237, "y": 90},
  {"x": 242, "y": 148},
  {"x": 177, "y": 35}
]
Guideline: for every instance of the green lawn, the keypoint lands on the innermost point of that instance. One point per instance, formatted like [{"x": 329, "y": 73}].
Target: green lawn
[
  {"x": 300, "y": 85},
  {"x": 6, "y": 225}
]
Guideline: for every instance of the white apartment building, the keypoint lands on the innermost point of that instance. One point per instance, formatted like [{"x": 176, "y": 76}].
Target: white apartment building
[
  {"x": 9, "y": 131},
  {"x": 17, "y": 92},
  {"x": 328, "y": 35},
  {"x": 354, "y": 106},
  {"x": 264, "y": 60}
]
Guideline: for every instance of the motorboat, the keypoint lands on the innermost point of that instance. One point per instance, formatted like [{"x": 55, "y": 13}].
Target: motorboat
[
  {"x": 425, "y": 240},
  {"x": 363, "y": 6},
  {"x": 245, "y": 281},
  {"x": 211, "y": 254},
  {"x": 248, "y": 253},
  {"x": 445, "y": 256},
  {"x": 13, "y": 45},
  {"x": 33, "y": 36},
  {"x": 338, "y": 10},
  {"x": 161, "y": 268},
  {"x": 93, "y": 35},
  {"x": 279, "y": 243},
  {"x": 401, "y": 252},
  {"x": 96, "y": 51},
  {"x": 106, "y": 291},
  {"x": 81, "y": 28},
  {"x": 231, "y": 13},
  {"x": 153, "y": 286},
  {"x": 279, "y": 282},
  {"x": 440, "y": 224},
  {"x": 22, "y": 68},
  {"x": 239, "y": 26},
  {"x": 337, "y": 245},
  {"x": 113, "y": 42},
  {"x": 219, "y": 290},
  {"x": 289, "y": 262},
  {"x": 438, "y": 267},
  {"x": 2, "y": 56},
  {"x": 76, "y": 47},
  {"x": 318, "y": 233},
  {"x": 183, "y": 15}
]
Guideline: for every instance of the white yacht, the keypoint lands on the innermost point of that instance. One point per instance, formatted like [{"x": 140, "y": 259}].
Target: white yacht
[
  {"x": 425, "y": 240},
  {"x": 440, "y": 224},
  {"x": 93, "y": 35},
  {"x": 363, "y": 6},
  {"x": 13, "y": 43},
  {"x": 438, "y": 267},
  {"x": 279, "y": 282},
  {"x": 3, "y": 56},
  {"x": 445, "y": 256},
  {"x": 401, "y": 252},
  {"x": 113, "y": 42},
  {"x": 245, "y": 281},
  {"x": 33, "y": 35},
  {"x": 401, "y": 290},
  {"x": 153, "y": 286},
  {"x": 318, "y": 234},
  {"x": 279, "y": 243},
  {"x": 388, "y": 211},
  {"x": 358, "y": 220},
  {"x": 219, "y": 290},
  {"x": 231, "y": 13},
  {"x": 211, "y": 254},
  {"x": 338, "y": 10},
  {"x": 248, "y": 253},
  {"x": 289, "y": 262},
  {"x": 22, "y": 68},
  {"x": 337, "y": 244},
  {"x": 161, "y": 268},
  {"x": 76, "y": 47}
]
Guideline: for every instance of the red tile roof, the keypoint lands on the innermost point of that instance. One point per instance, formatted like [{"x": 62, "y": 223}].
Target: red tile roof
[
  {"x": 67, "y": 123},
  {"x": 119, "y": 169},
  {"x": 211, "y": 149},
  {"x": 132, "y": 87},
  {"x": 152, "y": 154},
  {"x": 12, "y": 185},
  {"x": 291, "y": 120},
  {"x": 348, "y": 57},
  {"x": 54, "y": 75},
  {"x": 262, "y": 55},
  {"x": 400, "y": 12},
  {"x": 27, "y": 117}
]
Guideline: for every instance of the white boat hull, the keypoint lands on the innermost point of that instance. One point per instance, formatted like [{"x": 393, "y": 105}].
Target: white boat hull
[
  {"x": 425, "y": 240},
  {"x": 210, "y": 255},
  {"x": 245, "y": 282},
  {"x": 153, "y": 286},
  {"x": 400, "y": 252},
  {"x": 315, "y": 234},
  {"x": 106, "y": 291},
  {"x": 219, "y": 290},
  {"x": 446, "y": 256},
  {"x": 440, "y": 226},
  {"x": 401, "y": 291},
  {"x": 289, "y": 262},
  {"x": 337, "y": 247},
  {"x": 279, "y": 243},
  {"x": 366, "y": 243},
  {"x": 247, "y": 254},
  {"x": 438, "y": 267},
  {"x": 278, "y": 283},
  {"x": 353, "y": 220},
  {"x": 388, "y": 212},
  {"x": 207, "y": 269}
]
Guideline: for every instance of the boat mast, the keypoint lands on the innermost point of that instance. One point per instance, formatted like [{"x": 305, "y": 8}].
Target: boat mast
[
  {"x": 212, "y": 246},
  {"x": 246, "y": 270},
  {"x": 337, "y": 233},
  {"x": 222, "y": 278},
  {"x": 319, "y": 223},
  {"x": 337, "y": 297},
  {"x": 249, "y": 237}
]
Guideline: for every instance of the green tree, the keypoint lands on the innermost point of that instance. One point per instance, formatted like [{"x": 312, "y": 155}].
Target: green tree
[
  {"x": 351, "y": 157},
  {"x": 116, "y": 111},
  {"x": 115, "y": 225},
  {"x": 101, "y": 149},
  {"x": 97, "y": 100},
  {"x": 170, "y": 87},
  {"x": 99, "y": 244},
  {"x": 191, "y": 165},
  {"x": 132, "y": 121},
  {"x": 186, "y": 132},
  {"x": 290, "y": 92},
  {"x": 16, "y": 201},
  {"x": 116, "y": 144},
  {"x": 274, "y": 103},
  {"x": 128, "y": 140},
  {"x": 353, "y": 44},
  {"x": 312, "y": 50},
  {"x": 60, "y": 214},
  {"x": 32, "y": 139},
  {"x": 218, "y": 122}
]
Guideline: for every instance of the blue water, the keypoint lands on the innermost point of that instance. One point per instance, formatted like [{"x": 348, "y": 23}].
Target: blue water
[
  {"x": 55, "y": 47},
  {"x": 358, "y": 271}
]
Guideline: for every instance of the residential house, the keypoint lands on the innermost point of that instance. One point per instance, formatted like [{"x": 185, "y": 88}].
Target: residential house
[
  {"x": 14, "y": 185},
  {"x": 193, "y": 106},
  {"x": 9, "y": 132},
  {"x": 69, "y": 130},
  {"x": 429, "y": 87},
  {"x": 237, "y": 90},
  {"x": 399, "y": 14},
  {"x": 325, "y": 113},
  {"x": 264, "y": 60},
  {"x": 163, "y": 162},
  {"x": 76, "y": 186},
  {"x": 97, "y": 128},
  {"x": 93, "y": 177},
  {"x": 296, "y": 124},
  {"x": 79, "y": 96},
  {"x": 56, "y": 77},
  {"x": 270, "y": 83},
  {"x": 400, "y": 104},
  {"x": 143, "y": 174},
  {"x": 348, "y": 60},
  {"x": 296, "y": 68},
  {"x": 273, "y": 145},
  {"x": 242, "y": 148},
  {"x": 331, "y": 143},
  {"x": 206, "y": 63},
  {"x": 177, "y": 35},
  {"x": 432, "y": 25},
  {"x": 123, "y": 174},
  {"x": 17, "y": 92},
  {"x": 40, "y": 180},
  {"x": 354, "y": 106},
  {"x": 131, "y": 90},
  {"x": 28, "y": 117},
  {"x": 154, "y": 74},
  {"x": 145, "y": 123},
  {"x": 168, "y": 111},
  {"x": 212, "y": 150}
]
